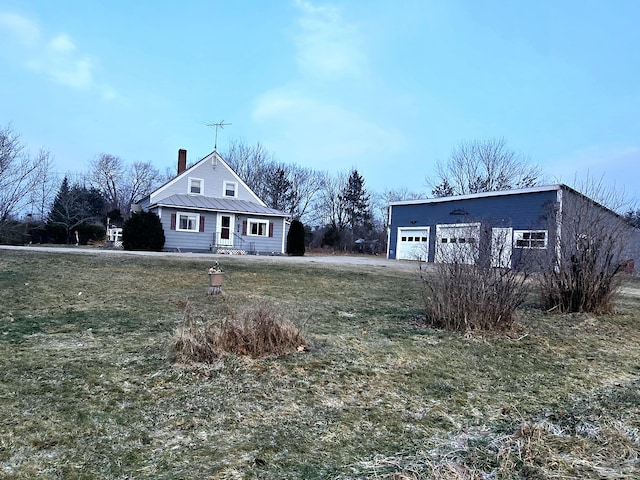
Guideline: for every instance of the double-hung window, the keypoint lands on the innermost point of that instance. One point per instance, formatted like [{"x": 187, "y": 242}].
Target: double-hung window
[
  {"x": 230, "y": 189},
  {"x": 188, "y": 222},
  {"x": 259, "y": 228},
  {"x": 530, "y": 238},
  {"x": 196, "y": 186}
]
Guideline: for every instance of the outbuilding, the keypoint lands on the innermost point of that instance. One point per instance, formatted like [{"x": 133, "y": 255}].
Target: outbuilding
[{"x": 502, "y": 228}]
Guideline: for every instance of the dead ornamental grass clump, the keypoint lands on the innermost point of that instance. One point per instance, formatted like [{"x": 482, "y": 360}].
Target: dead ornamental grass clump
[{"x": 256, "y": 332}]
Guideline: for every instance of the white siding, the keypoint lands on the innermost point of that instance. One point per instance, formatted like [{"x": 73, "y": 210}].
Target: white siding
[{"x": 214, "y": 174}]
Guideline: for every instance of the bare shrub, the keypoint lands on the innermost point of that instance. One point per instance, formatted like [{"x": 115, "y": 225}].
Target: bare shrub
[
  {"x": 463, "y": 293},
  {"x": 256, "y": 332},
  {"x": 593, "y": 246}
]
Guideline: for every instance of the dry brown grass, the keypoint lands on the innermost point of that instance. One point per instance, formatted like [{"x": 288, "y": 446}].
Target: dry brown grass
[
  {"x": 257, "y": 332},
  {"x": 89, "y": 386}
]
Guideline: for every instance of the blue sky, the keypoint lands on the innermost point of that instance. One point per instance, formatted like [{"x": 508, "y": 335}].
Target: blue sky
[{"x": 386, "y": 87}]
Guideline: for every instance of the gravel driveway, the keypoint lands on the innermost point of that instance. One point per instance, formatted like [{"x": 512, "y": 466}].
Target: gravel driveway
[{"x": 361, "y": 260}]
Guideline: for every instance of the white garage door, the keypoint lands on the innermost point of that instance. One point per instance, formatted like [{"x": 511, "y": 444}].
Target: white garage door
[
  {"x": 413, "y": 243},
  {"x": 457, "y": 243}
]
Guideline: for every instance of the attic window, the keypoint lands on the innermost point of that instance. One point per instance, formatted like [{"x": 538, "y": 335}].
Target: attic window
[
  {"x": 230, "y": 189},
  {"x": 196, "y": 186}
]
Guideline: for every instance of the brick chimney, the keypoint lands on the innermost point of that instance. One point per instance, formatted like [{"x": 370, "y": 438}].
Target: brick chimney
[{"x": 182, "y": 161}]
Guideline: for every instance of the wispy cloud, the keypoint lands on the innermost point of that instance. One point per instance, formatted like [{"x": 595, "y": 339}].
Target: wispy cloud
[
  {"x": 57, "y": 57},
  {"x": 316, "y": 129},
  {"x": 326, "y": 44},
  {"x": 19, "y": 29},
  {"x": 311, "y": 118}
]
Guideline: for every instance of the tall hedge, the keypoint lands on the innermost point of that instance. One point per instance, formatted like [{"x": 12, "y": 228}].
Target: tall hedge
[
  {"x": 143, "y": 231},
  {"x": 295, "y": 239}
]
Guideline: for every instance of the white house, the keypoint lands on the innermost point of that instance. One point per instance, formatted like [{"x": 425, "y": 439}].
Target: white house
[{"x": 208, "y": 208}]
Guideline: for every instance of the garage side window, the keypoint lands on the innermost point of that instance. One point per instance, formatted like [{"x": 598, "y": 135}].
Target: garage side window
[
  {"x": 530, "y": 238},
  {"x": 458, "y": 240}
]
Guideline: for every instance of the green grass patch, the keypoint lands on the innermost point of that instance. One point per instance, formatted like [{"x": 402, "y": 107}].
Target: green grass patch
[{"x": 90, "y": 387}]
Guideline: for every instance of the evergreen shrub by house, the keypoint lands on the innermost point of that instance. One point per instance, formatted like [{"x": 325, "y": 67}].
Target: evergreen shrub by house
[
  {"x": 143, "y": 231},
  {"x": 295, "y": 239},
  {"x": 90, "y": 233}
]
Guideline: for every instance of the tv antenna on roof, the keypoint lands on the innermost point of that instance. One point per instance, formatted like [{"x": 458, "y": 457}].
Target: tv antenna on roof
[{"x": 218, "y": 125}]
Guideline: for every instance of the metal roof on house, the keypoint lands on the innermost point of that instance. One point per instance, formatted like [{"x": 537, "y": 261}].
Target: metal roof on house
[{"x": 229, "y": 205}]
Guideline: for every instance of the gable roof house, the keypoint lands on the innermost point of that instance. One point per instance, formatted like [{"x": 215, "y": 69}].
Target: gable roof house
[
  {"x": 506, "y": 228},
  {"x": 208, "y": 208}
]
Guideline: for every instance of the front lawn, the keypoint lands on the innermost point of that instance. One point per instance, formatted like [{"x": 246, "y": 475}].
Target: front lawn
[{"x": 89, "y": 387}]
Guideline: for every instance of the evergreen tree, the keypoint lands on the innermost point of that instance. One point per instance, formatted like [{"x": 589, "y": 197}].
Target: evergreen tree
[
  {"x": 279, "y": 190},
  {"x": 357, "y": 206},
  {"x": 115, "y": 217},
  {"x": 75, "y": 208},
  {"x": 143, "y": 231},
  {"x": 633, "y": 217},
  {"x": 295, "y": 239}
]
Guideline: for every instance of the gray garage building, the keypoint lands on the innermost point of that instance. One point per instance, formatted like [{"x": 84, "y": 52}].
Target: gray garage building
[{"x": 501, "y": 228}]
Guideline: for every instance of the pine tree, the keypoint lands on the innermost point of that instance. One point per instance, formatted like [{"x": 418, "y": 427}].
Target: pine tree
[
  {"x": 74, "y": 208},
  {"x": 279, "y": 190},
  {"x": 357, "y": 206}
]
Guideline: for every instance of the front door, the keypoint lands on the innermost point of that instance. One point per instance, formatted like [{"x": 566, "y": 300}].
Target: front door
[{"x": 224, "y": 230}]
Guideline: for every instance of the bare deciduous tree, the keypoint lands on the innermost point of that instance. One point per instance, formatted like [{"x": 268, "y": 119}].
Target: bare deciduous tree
[
  {"x": 382, "y": 201},
  {"x": 141, "y": 178},
  {"x": 286, "y": 187},
  {"x": 251, "y": 163},
  {"x": 18, "y": 175},
  {"x": 122, "y": 184},
  {"x": 306, "y": 184},
  {"x": 330, "y": 207},
  {"x": 106, "y": 173},
  {"x": 483, "y": 166},
  {"x": 44, "y": 189}
]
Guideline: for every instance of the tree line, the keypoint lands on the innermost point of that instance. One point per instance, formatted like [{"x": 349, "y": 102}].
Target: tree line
[
  {"x": 38, "y": 205},
  {"x": 337, "y": 208}
]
